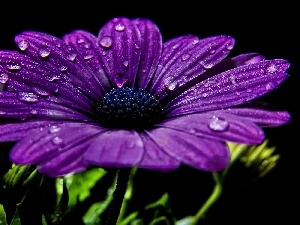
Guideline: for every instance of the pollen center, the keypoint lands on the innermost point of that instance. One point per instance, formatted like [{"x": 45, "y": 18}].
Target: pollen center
[{"x": 130, "y": 108}]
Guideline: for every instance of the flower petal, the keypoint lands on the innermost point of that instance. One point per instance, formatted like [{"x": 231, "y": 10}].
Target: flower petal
[
  {"x": 43, "y": 143},
  {"x": 217, "y": 125},
  {"x": 151, "y": 47},
  {"x": 230, "y": 88},
  {"x": 69, "y": 161},
  {"x": 25, "y": 75},
  {"x": 155, "y": 158},
  {"x": 201, "y": 153},
  {"x": 187, "y": 59},
  {"x": 116, "y": 148},
  {"x": 118, "y": 41},
  {"x": 56, "y": 56},
  {"x": 17, "y": 131},
  {"x": 86, "y": 45},
  {"x": 23, "y": 105},
  {"x": 265, "y": 118}
]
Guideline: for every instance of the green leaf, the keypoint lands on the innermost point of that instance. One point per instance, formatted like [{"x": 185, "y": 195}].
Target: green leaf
[
  {"x": 2, "y": 216},
  {"x": 16, "y": 219}
]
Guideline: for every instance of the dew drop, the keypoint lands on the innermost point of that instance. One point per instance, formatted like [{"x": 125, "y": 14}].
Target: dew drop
[
  {"x": 212, "y": 51},
  {"x": 233, "y": 79},
  {"x": 44, "y": 52},
  {"x": 40, "y": 92},
  {"x": 57, "y": 140},
  {"x": 206, "y": 64},
  {"x": 271, "y": 69},
  {"x": 33, "y": 112},
  {"x": 137, "y": 46},
  {"x": 54, "y": 129},
  {"x": 249, "y": 90},
  {"x": 87, "y": 57},
  {"x": 106, "y": 42},
  {"x": 270, "y": 85},
  {"x": 53, "y": 78},
  {"x": 125, "y": 63},
  {"x": 27, "y": 97},
  {"x": 23, "y": 45},
  {"x": 13, "y": 67},
  {"x": 2, "y": 113},
  {"x": 229, "y": 46},
  {"x": 3, "y": 78},
  {"x": 120, "y": 80},
  {"x": 71, "y": 57},
  {"x": 218, "y": 124},
  {"x": 204, "y": 95},
  {"x": 63, "y": 68},
  {"x": 87, "y": 45},
  {"x": 237, "y": 93},
  {"x": 170, "y": 83},
  {"x": 196, "y": 41},
  {"x": 185, "y": 57},
  {"x": 119, "y": 27},
  {"x": 80, "y": 41}
]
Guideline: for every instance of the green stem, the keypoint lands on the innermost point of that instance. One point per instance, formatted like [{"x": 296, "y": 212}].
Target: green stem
[
  {"x": 217, "y": 191},
  {"x": 118, "y": 196}
]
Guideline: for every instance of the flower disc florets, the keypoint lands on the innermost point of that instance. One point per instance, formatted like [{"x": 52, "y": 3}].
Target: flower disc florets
[{"x": 128, "y": 108}]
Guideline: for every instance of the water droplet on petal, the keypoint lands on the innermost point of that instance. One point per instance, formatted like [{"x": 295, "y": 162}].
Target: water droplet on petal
[
  {"x": 71, "y": 57},
  {"x": 2, "y": 113},
  {"x": 137, "y": 46},
  {"x": 53, "y": 78},
  {"x": 196, "y": 41},
  {"x": 80, "y": 41},
  {"x": 185, "y": 57},
  {"x": 119, "y": 27},
  {"x": 233, "y": 79},
  {"x": 237, "y": 93},
  {"x": 249, "y": 90},
  {"x": 204, "y": 95},
  {"x": 211, "y": 50},
  {"x": 170, "y": 83},
  {"x": 106, "y": 42},
  {"x": 206, "y": 64},
  {"x": 87, "y": 57},
  {"x": 230, "y": 45},
  {"x": 3, "y": 78},
  {"x": 270, "y": 85},
  {"x": 40, "y": 92},
  {"x": 63, "y": 68},
  {"x": 120, "y": 80},
  {"x": 271, "y": 69},
  {"x": 23, "y": 45},
  {"x": 44, "y": 52},
  {"x": 57, "y": 140},
  {"x": 28, "y": 97},
  {"x": 54, "y": 129},
  {"x": 13, "y": 67},
  {"x": 33, "y": 112},
  {"x": 87, "y": 45},
  {"x": 218, "y": 124},
  {"x": 125, "y": 63}
]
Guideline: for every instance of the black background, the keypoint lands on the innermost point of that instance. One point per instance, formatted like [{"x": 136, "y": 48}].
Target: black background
[{"x": 270, "y": 28}]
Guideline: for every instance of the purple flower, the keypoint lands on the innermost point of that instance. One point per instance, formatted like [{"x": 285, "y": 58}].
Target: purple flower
[{"x": 125, "y": 98}]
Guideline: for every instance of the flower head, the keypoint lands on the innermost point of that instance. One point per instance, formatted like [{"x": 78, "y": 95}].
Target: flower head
[{"x": 125, "y": 98}]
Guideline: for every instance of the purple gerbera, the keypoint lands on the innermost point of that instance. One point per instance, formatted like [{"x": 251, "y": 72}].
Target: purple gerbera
[{"x": 125, "y": 98}]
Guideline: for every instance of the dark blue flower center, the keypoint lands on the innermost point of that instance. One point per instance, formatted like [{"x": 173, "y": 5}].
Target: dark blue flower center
[{"x": 129, "y": 108}]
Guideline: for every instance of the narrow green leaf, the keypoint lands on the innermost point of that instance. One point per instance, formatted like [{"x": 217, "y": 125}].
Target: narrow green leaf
[{"x": 2, "y": 216}]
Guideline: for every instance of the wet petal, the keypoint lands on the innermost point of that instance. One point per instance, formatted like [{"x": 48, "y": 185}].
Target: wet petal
[
  {"x": 262, "y": 117},
  {"x": 17, "y": 131},
  {"x": 24, "y": 105},
  {"x": 116, "y": 148},
  {"x": 151, "y": 47},
  {"x": 29, "y": 76},
  {"x": 218, "y": 125},
  {"x": 232, "y": 87},
  {"x": 155, "y": 158},
  {"x": 201, "y": 153},
  {"x": 187, "y": 59},
  {"x": 87, "y": 47},
  {"x": 41, "y": 144},
  {"x": 54, "y": 54},
  {"x": 120, "y": 57}
]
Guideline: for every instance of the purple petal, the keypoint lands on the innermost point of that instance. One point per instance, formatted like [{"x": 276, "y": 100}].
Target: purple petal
[
  {"x": 29, "y": 76},
  {"x": 187, "y": 59},
  {"x": 116, "y": 148},
  {"x": 119, "y": 42},
  {"x": 262, "y": 117},
  {"x": 151, "y": 47},
  {"x": 155, "y": 158},
  {"x": 201, "y": 153},
  {"x": 219, "y": 126},
  {"x": 23, "y": 105},
  {"x": 17, "y": 131},
  {"x": 69, "y": 161},
  {"x": 230, "y": 88},
  {"x": 43, "y": 143},
  {"x": 86, "y": 45},
  {"x": 55, "y": 55}
]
